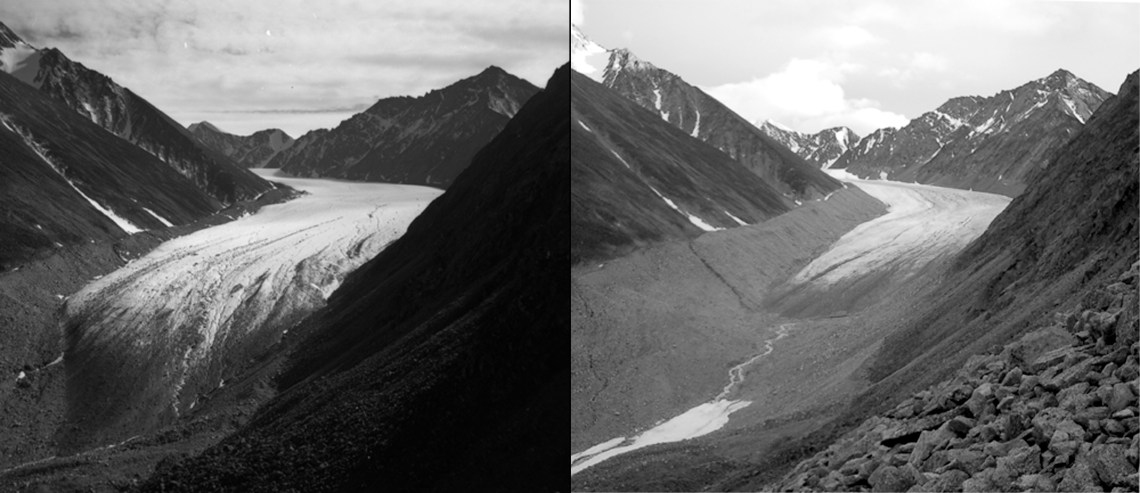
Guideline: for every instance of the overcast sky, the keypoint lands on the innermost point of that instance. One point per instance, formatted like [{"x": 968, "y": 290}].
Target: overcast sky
[
  {"x": 297, "y": 65},
  {"x": 812, "y": 64}
]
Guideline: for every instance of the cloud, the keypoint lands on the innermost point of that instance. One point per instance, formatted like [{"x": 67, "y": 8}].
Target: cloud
[
  {"x": 850, "y": 37},
  {"x": 216, "y": 55},
  {"x": 577, "y": 11},
  {"x": 808, "y": 96}
]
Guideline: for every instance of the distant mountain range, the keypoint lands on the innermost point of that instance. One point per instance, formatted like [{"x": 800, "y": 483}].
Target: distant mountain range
[
  {"x": 125, "y": 114},
  {"x": 990, "y": 144},
  {"x": 425, "y": 140},
  {"x": 251, "y": 151},
  {"x": 700, "y": 116},
  {"x": 637, "y": 179},
  {"x": 822, "y": 148}
]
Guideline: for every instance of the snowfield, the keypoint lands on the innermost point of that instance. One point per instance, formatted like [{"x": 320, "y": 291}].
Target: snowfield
[
  {"x": 923, "y": 223},
  {"x": 196, "y": 305}
]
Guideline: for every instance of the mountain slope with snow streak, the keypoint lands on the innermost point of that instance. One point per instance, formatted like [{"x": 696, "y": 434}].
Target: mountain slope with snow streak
[
  {"x": 701, "y": 116},
  {"x": 143, "y": 343},
  {"x": 64, "y": 180},
  {"x": 127, "y": 115},
  {"x": 991, "y": 144},
  {"x": 638, "y": 180},
  {"x": 822, "y": 148}
]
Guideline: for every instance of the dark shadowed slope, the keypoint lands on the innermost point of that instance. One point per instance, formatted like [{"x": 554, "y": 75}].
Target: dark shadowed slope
[
  {"x": 989, "y": 144},
  {"x": 64, "y": 180},
  {"x": 426, "y": 140},
  {"x": 1072, "y": 231},
  {"x": 637, "y": 180},
  {"x": 123, "y": 113},
  {"x": 440, "y": 364},
  {"x": 251, "y": 151}
]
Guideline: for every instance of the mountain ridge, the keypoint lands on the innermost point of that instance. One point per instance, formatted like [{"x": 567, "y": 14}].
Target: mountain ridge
[
  {"x": 700, "y": 115},
  {"x": 989, "y": 144},
  {"x": 252, "y": 151},
  {"x": 132, "y": 118},
  {"x": 425, "y": 140}
]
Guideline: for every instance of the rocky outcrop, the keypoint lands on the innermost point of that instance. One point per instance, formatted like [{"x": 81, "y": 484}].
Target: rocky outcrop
[
  {"x": 822, "y": 148},
  {"x": 1055, "y": 410}
]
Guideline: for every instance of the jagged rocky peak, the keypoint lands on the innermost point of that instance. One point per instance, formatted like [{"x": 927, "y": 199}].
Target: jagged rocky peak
[
  {"x": 822, "y": 148},
  {"x": 623, "y": 59}
]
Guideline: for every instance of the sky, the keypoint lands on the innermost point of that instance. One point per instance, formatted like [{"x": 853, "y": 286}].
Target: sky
[
  {"x": 296, "y": 65},
  {"x": 866, "y": 64}
]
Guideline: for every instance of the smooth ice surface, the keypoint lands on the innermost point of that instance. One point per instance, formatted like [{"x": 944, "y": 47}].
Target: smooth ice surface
[
  {"x": 923, "y": 222},
  {"x": 256, "y": 272}
]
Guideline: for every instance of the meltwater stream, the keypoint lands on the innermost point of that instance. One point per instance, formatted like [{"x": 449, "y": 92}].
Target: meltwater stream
[{"x": 698, "y": 421}]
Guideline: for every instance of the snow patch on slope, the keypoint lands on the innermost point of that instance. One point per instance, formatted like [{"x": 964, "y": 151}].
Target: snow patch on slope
[
  {"x": 698, "y": 222},
  {"x": 40, "y": 151},
  {"x": 160, "y": 218}
]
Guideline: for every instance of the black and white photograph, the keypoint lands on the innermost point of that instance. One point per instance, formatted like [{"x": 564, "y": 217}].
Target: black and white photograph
[
  {"x": 873, "y": 245},
  {"x": 283, "y": 246}
]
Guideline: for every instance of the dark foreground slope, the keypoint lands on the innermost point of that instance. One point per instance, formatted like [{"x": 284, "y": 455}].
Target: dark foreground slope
[
  {"x": 1073, "y": 231},
  {"x": 50, "y": 157},
  {"x": 440, "y": 364},
  {"x": 638, "y": 180}
]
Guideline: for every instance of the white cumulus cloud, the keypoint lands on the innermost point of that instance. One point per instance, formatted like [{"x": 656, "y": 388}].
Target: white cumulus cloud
[{"x": 808, "y": 96}]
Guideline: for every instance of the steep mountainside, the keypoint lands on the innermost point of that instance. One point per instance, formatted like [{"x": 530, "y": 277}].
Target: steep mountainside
[
  {"x": 637, "y": 179},
  {"x": 990, "y": 144},
  {"x": 822, "y": 148},
  {"x": 312, "y": 137},
  {"x": 440, "y": 364},
  {"x": 701, "y": 116},
  {"x": 427, "y": 140},
  {"x": 251, "y": 151},
  {"x": 64, "y": 180},
  {"x": 123, "y": 113},
  {"x": 1056, "y": 248}
]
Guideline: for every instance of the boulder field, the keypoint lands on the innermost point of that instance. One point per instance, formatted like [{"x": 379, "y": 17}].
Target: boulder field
[{"x": 1055, "y": 410}]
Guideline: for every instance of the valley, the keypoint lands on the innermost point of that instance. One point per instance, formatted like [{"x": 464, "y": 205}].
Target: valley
[
  {"x": 830, "y": 298},
  {"x": 167, "y": 329},
  {"x": 160, "y": 337}
]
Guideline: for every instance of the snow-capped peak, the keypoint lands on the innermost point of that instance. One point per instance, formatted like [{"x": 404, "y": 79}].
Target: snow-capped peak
[
  {"x": 779, "y": 125},
  {"x": 586, "y": 57},
  {"x": 17, "y": 57}
]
